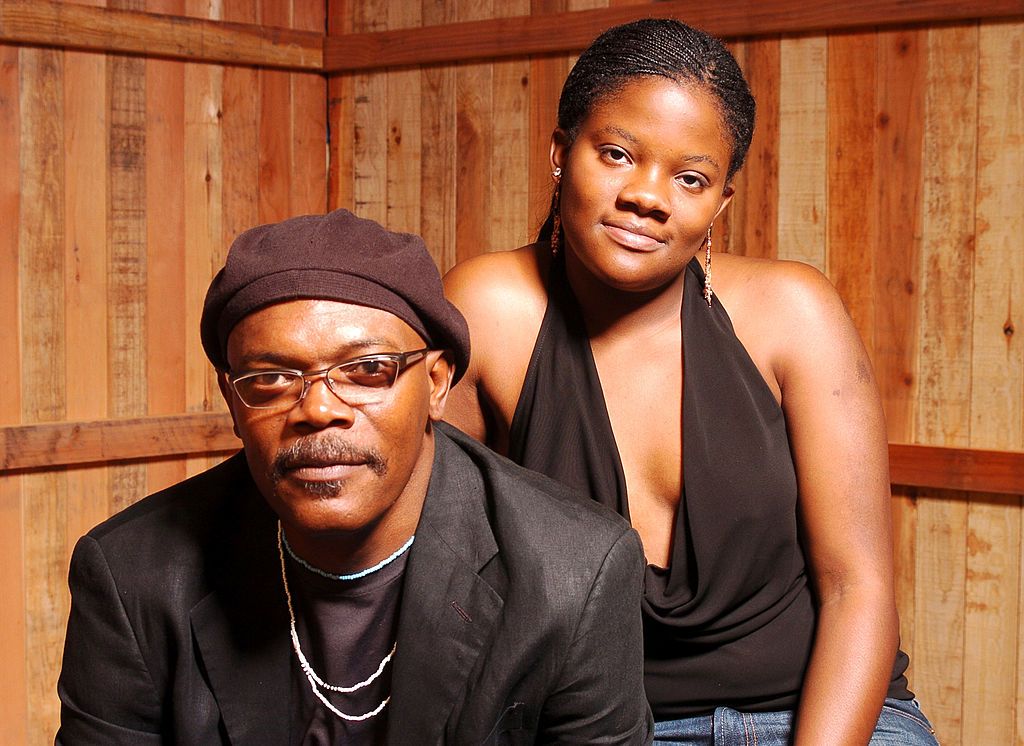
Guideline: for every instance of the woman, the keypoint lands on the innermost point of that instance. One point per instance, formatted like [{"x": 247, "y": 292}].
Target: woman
[{"x": 764, "y": 506}]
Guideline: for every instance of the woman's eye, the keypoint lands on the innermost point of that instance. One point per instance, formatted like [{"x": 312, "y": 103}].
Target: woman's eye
[
  {"x": 693, "y": 180},
  {"x": 615, "y": 155}
]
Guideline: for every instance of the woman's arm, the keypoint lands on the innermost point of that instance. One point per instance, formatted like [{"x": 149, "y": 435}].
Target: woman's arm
[{"x": 838, "y": 437}]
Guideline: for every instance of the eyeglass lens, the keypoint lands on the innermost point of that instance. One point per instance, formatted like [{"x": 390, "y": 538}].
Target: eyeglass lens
[{"x": 355, "y": 382}]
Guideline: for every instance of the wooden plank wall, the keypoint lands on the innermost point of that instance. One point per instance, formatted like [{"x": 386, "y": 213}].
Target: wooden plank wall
[
  {"x": 891, "y": 159},
  {"x": 122, "y": 181}
]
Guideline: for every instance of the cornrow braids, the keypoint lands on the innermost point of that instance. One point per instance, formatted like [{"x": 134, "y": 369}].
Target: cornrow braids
[{"x": 658, "y": 47}]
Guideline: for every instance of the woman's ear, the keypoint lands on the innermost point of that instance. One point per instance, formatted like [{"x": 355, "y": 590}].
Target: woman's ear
[
  {"x": 559, "y": 148},
  {"x": 727, "y": 194}
]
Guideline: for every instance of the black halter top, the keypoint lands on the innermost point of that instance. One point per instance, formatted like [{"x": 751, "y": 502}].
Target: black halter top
[{"x": 731, "y": 621}]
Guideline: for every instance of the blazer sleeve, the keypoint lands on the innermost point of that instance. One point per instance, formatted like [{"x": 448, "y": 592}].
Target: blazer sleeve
[
  {"x": 106, "y": 693},
  {"x": 599, "y": 698}
]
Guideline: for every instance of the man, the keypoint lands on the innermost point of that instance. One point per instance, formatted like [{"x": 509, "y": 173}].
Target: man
[{"x": 362, "y": 572}]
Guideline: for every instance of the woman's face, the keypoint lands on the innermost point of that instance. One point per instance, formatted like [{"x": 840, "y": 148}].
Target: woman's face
[{"x": 642, "y": 182}]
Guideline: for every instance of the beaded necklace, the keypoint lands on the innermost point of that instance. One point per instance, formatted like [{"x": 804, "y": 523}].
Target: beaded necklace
[{"x": 315, "y": 682}]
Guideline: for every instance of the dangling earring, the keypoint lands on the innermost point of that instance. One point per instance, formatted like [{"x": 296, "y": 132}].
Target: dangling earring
[
  {"x": 707, "y": 270},
  {"x": 556, "y": 225}
]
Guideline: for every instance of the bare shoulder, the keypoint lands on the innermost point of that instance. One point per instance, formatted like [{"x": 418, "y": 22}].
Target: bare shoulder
[
  {"x": 787, "y": 314},
  {"x": 503, "y": 297},
  {"x": 498, "y": 284}
]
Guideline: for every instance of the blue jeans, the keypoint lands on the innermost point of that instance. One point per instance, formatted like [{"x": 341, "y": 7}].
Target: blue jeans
[{"x": 901, "y": 724}]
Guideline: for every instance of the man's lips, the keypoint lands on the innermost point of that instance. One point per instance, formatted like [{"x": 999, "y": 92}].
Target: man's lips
[
  {"x": 633, "y": 236},
  {"x": 322, "y": 472}
]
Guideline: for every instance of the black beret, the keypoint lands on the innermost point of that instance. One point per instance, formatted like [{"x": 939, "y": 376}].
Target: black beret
[{"x": 336, "y": 256}]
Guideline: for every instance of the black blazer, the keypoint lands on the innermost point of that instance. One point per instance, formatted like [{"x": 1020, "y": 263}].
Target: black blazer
[{"x": 520, "y": 617}]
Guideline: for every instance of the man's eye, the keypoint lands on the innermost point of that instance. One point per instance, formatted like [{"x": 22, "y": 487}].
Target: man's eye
[
  {"x": 271, "y": 380},
  {"x": 370, "y": 372}
]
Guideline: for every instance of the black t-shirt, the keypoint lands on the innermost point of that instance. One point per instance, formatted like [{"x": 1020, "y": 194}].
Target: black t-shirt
[{"x": 346, "y": 628}]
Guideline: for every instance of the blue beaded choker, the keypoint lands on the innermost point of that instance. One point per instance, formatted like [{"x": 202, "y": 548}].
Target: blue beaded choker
[{"x": 351, "y": 576}]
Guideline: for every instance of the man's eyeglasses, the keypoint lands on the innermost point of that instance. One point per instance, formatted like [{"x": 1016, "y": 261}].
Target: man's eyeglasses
[{"x": 362, "y": 380}]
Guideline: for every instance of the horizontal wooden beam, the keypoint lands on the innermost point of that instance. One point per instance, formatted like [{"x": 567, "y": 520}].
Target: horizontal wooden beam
[
  {"x": 58, "y": 444},
  {"x": 967, "y": 469},
  {"x": 65, "y": 24},
  {"x": 67, "y": 443},
  {"x": 553, "y": 33}
]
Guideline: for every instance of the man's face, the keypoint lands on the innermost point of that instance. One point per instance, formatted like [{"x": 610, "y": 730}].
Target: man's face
[{"x": 348, "y": 476}]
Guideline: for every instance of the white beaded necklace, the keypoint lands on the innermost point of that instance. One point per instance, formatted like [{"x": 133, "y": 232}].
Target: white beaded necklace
[{"x": 315, "y": 682}]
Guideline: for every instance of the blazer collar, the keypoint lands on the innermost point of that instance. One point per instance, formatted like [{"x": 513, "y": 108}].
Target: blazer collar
[
  {"x": 448, "y": 611},
  {"x": 241, "y": 627}
]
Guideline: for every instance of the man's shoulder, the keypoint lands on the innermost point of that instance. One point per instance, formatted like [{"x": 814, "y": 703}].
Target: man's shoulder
[
  {"x": 527, "y": 509},
  {"x": 172, "y": 514}
]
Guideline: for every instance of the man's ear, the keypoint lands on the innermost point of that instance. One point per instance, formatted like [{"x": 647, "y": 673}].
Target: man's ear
[
  {"x": 441, "y": 373},
  {"x": 225, "y": 391}
]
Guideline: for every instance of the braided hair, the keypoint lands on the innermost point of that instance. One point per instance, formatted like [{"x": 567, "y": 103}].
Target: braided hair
[{"x": 657, "y": 47}]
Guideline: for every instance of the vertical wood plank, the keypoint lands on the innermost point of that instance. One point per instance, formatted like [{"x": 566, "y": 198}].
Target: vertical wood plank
[
  {"x": 240, "y": 120},
  {"x": 403, "y": 132},
  {"x": 126, "y": 254},
  {"x": 275, "y": 128},
  {"x": 438, "y": 147},
  {"x": 41, "y": 242},
  {"x": 547, "y": 74},
  {"x": 85, "y": 256},
  {"x": 165, "y": 245},
  {"x": 203, "y": 170},
  {"x": 510, "y": 224},
  {"x": 341, "y": 115},
  {"x": 370, "y": 138},
  {"x": 753, "y": 214},
  {"x": 14, "y": 686},
  {"x": 851, "y": 232},
  {"x": 942, "y": 408},
  {"x": 992, "y": 624},
  {"x": 801, "y": 200},
  {"x": 308, "y": 192},
  {"x": 473, "y": 92},
  {"x": 902, "y": 58}
]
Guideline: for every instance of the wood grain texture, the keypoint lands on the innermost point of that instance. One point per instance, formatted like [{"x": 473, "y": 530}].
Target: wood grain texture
[
  {"x": 510, "y": 145},
  {"x": 41, "y": 255},
  {"x": 369, "y": 138},
  {"x": 473, "y": 101},
  {"x": 126, "y": 255},
  {"x": 900, "y": 139},
  {"x": 551, "y": 33},
  {"x": 340, "y": 116},
  {"x": 994, "y": 552},
  {"x": 85, "y": 282},
  {"x": 13, "y": 686},
  {"x": 404, "y": 131},
  {"x": 438, "y": 154},
  {"x": 802, "y": 204},
  {"x": 852, "y": 221},
  {"x": 165, "y": 239},
  {"x": 67, "y": 24},
  {"x": 751, "y": 227},
  {"x": 968, "y": 469},
  {"x": 942, "y": 410},
  {"x": 33, "y": 447}
]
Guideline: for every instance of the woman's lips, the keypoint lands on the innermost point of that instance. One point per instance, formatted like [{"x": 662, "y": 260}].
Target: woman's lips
[{"x": 632, "y": 239}]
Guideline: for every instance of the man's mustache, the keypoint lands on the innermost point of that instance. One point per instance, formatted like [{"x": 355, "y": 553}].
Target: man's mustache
[{"x": 326, "y": 450}]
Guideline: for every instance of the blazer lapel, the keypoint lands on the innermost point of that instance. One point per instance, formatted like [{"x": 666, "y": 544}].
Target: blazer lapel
[
  {"x": 241, "y": 631},
  {"x": 448, "y": 611}
]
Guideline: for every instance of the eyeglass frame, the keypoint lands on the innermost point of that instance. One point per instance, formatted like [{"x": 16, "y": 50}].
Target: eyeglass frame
[{"x": 403, "y": 359}]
